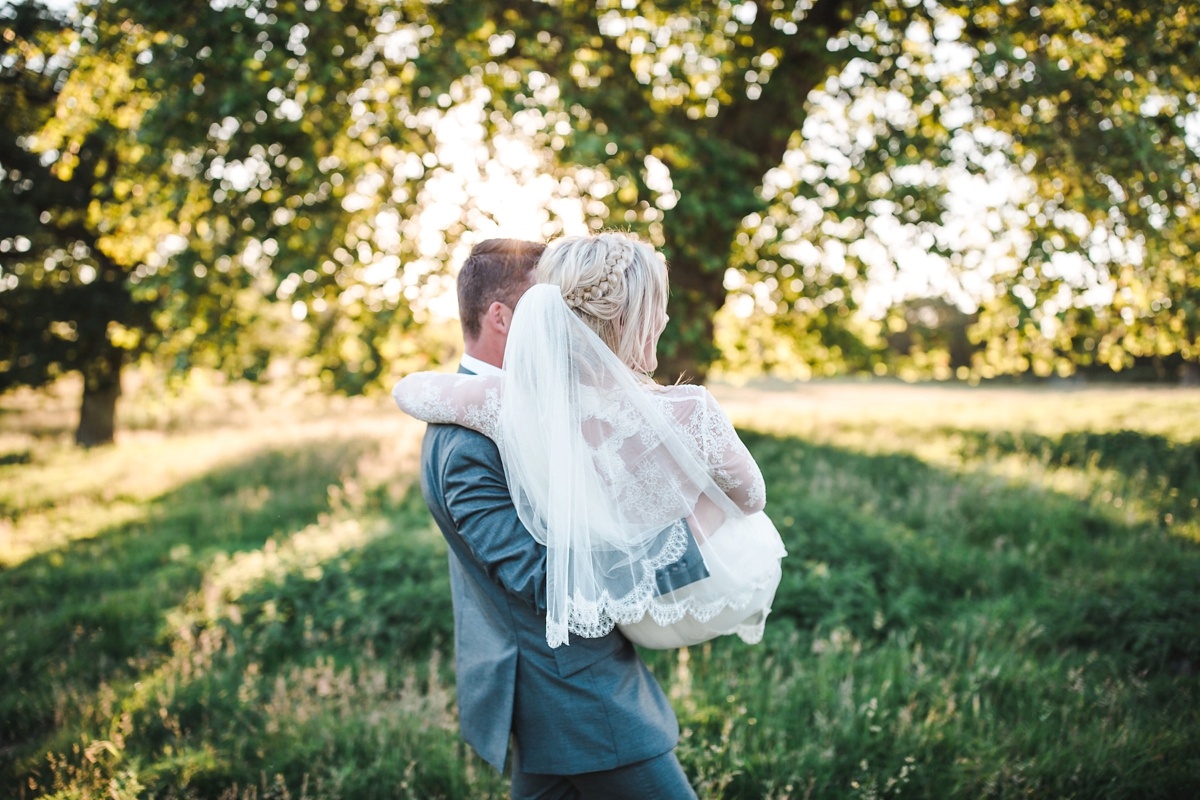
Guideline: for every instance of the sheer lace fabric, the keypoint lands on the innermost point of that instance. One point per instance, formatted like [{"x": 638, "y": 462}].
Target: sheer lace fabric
[{"x": 618, "y": 478}]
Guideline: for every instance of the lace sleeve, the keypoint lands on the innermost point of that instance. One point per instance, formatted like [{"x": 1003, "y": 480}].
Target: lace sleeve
[
  {"x": 730, "y": 464},
  {"x": 472, "y": 401}
]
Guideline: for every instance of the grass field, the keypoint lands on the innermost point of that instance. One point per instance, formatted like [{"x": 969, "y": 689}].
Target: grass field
[{"x": 989, "y": 593}]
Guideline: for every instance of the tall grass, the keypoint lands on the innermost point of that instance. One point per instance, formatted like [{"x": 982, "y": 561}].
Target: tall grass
[{"x": 988, "y": 594}]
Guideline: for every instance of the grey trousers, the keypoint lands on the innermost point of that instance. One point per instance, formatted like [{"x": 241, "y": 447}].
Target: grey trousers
[{"x": 658, "y": 778}]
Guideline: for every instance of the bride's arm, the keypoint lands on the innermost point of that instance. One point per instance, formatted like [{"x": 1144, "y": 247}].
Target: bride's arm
[
  {"x": 730, "y": 464},
  {"x": 472, "y": 401}
]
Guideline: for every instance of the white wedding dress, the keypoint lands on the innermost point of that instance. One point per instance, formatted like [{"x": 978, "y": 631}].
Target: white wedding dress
[{"x": 623, "y": 481}]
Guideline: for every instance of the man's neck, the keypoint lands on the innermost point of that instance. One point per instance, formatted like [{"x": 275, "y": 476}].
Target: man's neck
[
  {"x": 488, "y": 348},
  {"x": 479, "y": 366}
]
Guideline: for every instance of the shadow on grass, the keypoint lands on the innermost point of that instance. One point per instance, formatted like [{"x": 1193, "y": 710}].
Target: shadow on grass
[
  {"x": 311, "y": 673},
  {"x": 92, "y": 611},
  {"x": 1156, "y": 462},
  {"x": 885, "y": 543},
  {"x": 291, "y": 679},
  {"x": 948, "y": 634}
]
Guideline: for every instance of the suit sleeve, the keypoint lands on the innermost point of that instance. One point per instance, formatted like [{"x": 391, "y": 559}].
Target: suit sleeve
[{"x": 481, "y": 507}]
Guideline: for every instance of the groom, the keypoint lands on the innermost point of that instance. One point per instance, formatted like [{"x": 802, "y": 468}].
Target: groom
[{"x": 587, "y": 719}]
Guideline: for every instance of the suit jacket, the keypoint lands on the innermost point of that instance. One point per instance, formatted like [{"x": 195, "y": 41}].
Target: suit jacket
[{"x": 587, "y": 706}]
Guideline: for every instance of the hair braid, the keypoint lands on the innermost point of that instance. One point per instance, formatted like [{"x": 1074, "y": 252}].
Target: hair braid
[
  {"x": 606, "y": 283},
  {"x": 615, "y": 283}
]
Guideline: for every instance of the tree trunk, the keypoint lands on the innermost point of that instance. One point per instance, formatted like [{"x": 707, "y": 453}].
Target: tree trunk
[
  {"x": 681, "y": 368},
  {"x": 688, "y": 350},
  {"x": 98, "y": 411},
  {"x": 1189, "y": 374}
]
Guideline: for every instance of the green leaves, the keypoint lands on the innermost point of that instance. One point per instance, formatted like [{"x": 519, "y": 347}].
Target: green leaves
[
  {"x": 1094, "y": 98},
  {"x": 60, "y": 292},
  {"x": 261, "y": 174}
]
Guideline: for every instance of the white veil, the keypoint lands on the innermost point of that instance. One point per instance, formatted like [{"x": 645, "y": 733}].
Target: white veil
[{"x": 610, "y": 473}]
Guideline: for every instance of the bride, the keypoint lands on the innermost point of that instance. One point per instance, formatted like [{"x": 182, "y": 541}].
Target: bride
[{"x": 648, "y": 504}]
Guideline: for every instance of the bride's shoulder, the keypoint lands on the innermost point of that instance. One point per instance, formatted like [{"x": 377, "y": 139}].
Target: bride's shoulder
[
  {"x": 684, "y": 395},
  {"x": 680, "y": 391}
]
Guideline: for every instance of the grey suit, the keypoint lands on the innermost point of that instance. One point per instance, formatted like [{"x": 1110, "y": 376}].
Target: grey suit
[{"x": 582, "y": 708}]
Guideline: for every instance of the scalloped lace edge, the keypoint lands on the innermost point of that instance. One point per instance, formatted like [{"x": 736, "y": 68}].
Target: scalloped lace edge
[{"x": 593, "y": 619}]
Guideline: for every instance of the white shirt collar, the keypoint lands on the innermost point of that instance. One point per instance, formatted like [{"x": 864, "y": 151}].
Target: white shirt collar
[{"x": 479, "y": 367}]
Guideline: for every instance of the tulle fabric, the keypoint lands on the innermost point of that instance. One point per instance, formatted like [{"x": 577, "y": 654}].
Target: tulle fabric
[
  {"x": 743, "y": 561},
  {"x": 619, "y": 479}
]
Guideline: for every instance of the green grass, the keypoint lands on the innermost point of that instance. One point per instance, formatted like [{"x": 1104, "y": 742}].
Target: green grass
[{"x": 988, "y": 594}]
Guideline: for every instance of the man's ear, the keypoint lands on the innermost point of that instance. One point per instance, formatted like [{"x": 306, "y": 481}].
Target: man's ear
[{"x": 499, "y": 316}]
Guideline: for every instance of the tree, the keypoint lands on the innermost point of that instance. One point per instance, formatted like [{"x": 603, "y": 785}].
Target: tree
[
  {"x": 1082, "y": 108},
  {"x": 65, "y": 304},
  {"x": 1100, "y": 100},
  {"x": 137, "y": 223},
  {"x": 684, "y": 106},
  {"x": 1084, "y": 103},
  {"x": 284, "y": 152},
  {"x": 353, "y": 90},
  {"x": 282, "y": 192}
]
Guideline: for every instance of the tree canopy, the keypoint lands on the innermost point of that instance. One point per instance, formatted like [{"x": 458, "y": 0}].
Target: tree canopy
[
  {"x": 234, "y": 179},
  {"x": 1086, "y": 110}
]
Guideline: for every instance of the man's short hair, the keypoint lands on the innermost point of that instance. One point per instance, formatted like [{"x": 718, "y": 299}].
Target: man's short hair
[{"x": 496, "y": 271}]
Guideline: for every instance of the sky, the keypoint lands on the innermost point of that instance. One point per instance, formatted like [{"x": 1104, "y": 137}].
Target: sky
[{"x": 57, "y": 5}]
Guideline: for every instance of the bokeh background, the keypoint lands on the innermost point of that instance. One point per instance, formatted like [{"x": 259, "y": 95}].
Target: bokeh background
[{"x": 938, "y": 259}]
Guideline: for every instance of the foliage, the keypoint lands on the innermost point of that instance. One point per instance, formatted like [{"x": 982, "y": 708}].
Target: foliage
[
  {"x": 1010, "y": 613},
  {"x": 140, "y": 223},
  {"x": 64, "y": 301},
  {"x": 293, "y": 153},
  {"x": 1103, "y": 110},
  {"x": 258, "y": 177},
  {"x": 276, "y": 180},
  {"x": 667, "y": 114},
  {"x": 1077, "y": 111}
]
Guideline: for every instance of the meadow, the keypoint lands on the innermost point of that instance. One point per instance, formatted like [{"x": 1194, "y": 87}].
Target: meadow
[{"x": 990, "y": 592}]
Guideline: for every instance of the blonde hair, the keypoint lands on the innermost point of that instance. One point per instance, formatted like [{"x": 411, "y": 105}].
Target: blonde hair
[{"x": 615, "y": 283}]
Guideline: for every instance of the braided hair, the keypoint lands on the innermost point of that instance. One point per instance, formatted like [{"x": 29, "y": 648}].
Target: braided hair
[{"x": 615, "y": 283}]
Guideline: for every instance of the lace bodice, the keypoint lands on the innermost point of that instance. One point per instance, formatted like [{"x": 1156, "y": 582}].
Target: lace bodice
[{"x": 473, "y": 401}]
